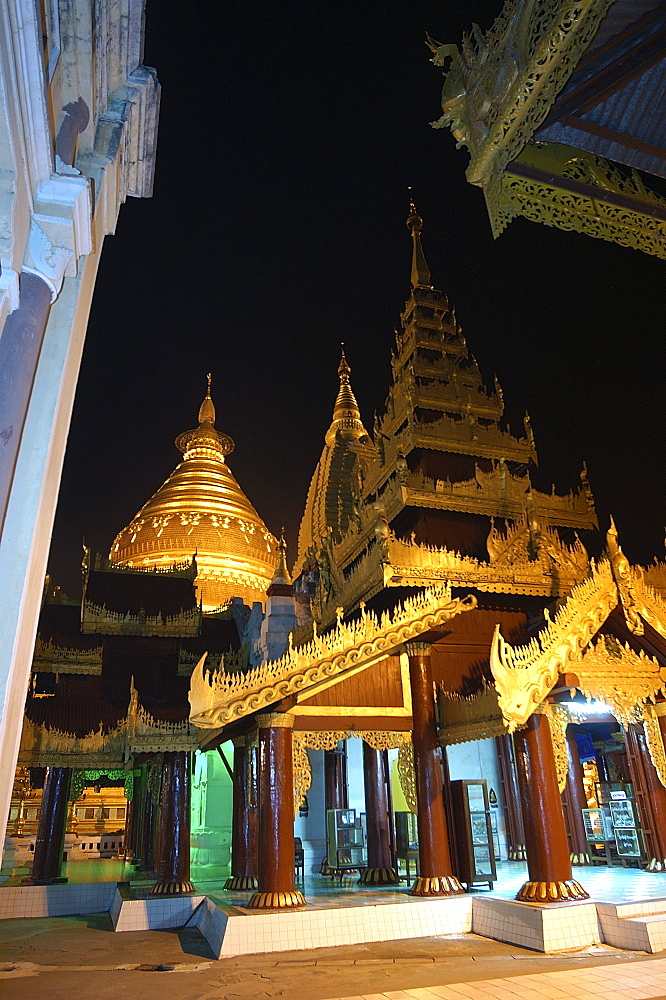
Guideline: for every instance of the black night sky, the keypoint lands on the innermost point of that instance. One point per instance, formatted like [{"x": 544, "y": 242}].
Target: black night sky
[{"x": 288, "y": 136}]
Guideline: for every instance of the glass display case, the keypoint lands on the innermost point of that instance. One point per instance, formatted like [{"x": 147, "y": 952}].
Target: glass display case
[
  {"x": 406, "y": 844},
  {"x": 473, "y": 831},
  {"x": 345, "y": 839}
]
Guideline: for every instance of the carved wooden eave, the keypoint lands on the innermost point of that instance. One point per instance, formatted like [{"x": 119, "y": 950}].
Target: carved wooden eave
[
  {"x": 392, "y": 562},
  {"x": 49, "y": 657},
  {"x": 500, "y": 87},
  {"x": 139, "y": 732},
  {"x": 100, "y": 620},
  {"x": 498, "y": 493},
  {"x": 620, "y": 677},
  {"x": 525, "y": 675},
  {"x": 464, "y": 719},
  {"x": 221, "y": 698}
]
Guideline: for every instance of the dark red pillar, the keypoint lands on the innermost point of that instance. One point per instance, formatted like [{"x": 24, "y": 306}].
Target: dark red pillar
[
  {"x": 650, "y": 797},
  {"x": 50, "y": 840},
  {"x": 436, "y": 877},
  {"x": 245, "y": 819},
  {"x": 515, "y": 833},
  {"x": 172, "y": 853},
  {"x": 336, "y": 791},
  {"x": 573, "y": 802},
  {"x": 548, "y": 864},
  {"x": 379, "y": 819},
  {"x": 277, "y": 886}
]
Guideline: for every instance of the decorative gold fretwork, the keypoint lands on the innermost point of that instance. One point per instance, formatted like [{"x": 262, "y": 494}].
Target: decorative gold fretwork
[
  {"x": 558, "y": 721},
  {"x": 52, "y": 658},
  {"x": 384, "y": 740},
  {"x": 477, "y": 717},
  {"x": 501, "y": 86},
  {"x": 407, "y": 775},
  {"x": 551, "y": 203},
  {"x": 655, "y": 742},
  {"x": 623, "y": 679},
  {"x": 524, "y": 675},
  {"x": 302, "y": 772},
  {"x": 222, "y": 697}
]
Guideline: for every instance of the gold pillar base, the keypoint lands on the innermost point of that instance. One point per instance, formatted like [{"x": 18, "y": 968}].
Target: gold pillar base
[
  {"x": 276, "y": 900},
  {"x": 378, "y": 876},
  {"x": 241, "y": 882},
  {"x": 172, "y": 888},
  {"x": 656, "y": 865},
  {"x": 580, "y": 859},
  {"x": 551, "y": 892},
  {"x": 439, "y": 885},
  {"x": 518, "y": 853}
]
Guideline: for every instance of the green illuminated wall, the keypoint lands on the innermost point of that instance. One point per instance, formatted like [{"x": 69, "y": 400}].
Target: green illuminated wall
[{"x": 211, "y": 809}]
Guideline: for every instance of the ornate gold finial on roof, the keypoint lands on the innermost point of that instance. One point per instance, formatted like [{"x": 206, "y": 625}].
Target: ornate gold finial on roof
[
  {"x": 207, "y": 408},
  {"x": 282, "y": 574},
  {"x": 421, "y": 277},
  {"x": 205, "y": 436},
  {"x": 346, "y": 414}
]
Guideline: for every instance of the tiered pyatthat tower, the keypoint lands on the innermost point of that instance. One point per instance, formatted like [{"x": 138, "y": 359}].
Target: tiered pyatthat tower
[
  {"x": 445, "y": 493},
  {"x": 201, "y": 510}
]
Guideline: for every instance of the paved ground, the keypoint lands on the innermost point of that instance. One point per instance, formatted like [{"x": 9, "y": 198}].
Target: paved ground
[{"x": 67, "y": 958}]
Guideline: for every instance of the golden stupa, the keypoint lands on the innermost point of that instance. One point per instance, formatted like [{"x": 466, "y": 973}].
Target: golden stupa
[{"x": 201, "y": 510}]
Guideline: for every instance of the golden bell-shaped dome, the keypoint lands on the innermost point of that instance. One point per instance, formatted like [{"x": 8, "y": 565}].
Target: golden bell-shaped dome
[{"x": 200, "y": 509}]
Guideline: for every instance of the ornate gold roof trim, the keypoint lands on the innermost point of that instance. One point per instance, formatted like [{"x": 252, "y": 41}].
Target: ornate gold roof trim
[
  {"x": 620, "y": 677},
  {"x": 392, "y": 562},
  {"x": 97, "y": 619},
  {"x": 222, "y": 698},
  {"x": 52, "y": 658},
  {"x": 549, "y": 199},
  {"x": 464, "y": 719},
  {"x": 138, "y": 732},
  {"x": 524, "y": 675},
  {"x": 500, "y": 87}
]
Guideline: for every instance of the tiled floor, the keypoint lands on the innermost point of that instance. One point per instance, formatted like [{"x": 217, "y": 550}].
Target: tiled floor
[
  {"x": 611, "y": 885},
  {"x": 602, "y": 982}
]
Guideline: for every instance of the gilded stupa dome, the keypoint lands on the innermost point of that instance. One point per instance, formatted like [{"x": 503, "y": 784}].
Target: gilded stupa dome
[{"x": 201, "y": 510}]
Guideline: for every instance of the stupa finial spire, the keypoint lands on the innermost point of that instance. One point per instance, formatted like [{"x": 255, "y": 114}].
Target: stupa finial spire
[
  {"x": 281, "y": 574},
  {"x": 207, "y": 409},
  {"x": 420, "y": 271}
]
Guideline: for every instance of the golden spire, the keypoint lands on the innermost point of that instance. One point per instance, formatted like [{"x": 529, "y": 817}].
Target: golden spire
[
  {"x": 420, "y": 271},
  {"x": 207, "y": 409},
  {"x": 281, "y": 574},
  {"x": 346, "y": 414},
  {"x": 205, "y": 438}
]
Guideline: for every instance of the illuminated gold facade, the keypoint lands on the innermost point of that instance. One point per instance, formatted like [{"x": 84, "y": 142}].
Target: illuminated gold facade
[
  {"x": 200, "y": 510},
  {"x": 444, "y": 491}
]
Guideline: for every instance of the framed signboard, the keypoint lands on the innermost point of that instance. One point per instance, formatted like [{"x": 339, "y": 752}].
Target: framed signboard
[
  {"x": 627, "y": 844},
  {"x": 622, "y": 813}
]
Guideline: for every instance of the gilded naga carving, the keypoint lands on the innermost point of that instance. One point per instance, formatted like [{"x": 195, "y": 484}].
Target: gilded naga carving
[{"x": 524, "y": 675}]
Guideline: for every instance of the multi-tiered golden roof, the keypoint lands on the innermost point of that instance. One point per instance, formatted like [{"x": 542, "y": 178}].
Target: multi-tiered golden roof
[{"x": 201, "y": 510}]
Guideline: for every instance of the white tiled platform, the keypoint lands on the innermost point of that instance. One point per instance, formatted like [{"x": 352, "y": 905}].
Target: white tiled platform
[
  {"x": 634, "y": 926},
  {"x": 555, "y": 927},
  {"x": 247, "y": 933},
  {"x": 627, "y": 910},
  {"x": 55, "y": 900}
]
